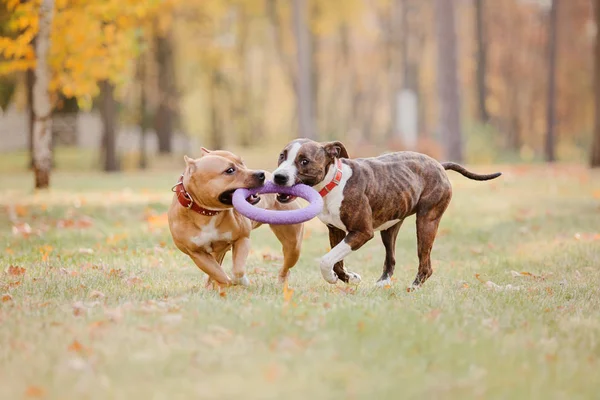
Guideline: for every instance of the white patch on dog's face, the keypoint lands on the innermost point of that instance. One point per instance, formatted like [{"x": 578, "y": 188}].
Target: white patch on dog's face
[
  {"x": 208, "y": 235},
  {"x": 288, "y": 166}
]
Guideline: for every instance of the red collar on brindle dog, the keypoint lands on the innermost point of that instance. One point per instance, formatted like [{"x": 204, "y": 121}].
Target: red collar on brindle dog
[{"x": 335, "y": 181}]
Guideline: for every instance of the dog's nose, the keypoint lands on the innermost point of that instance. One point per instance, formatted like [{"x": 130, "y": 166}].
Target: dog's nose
[
  {"x": 280, "y": 179},
  {"x": 261, "y": 176}
]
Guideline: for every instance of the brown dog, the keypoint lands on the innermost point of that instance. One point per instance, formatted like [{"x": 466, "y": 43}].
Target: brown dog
[
  {"x": 205, "y": 226},
  {"x": 365, "y": 195}
]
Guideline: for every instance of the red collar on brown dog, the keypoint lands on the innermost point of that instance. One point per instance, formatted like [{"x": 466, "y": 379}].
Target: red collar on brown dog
[
  {"x": 335, "y": 181},
  {"x": 186, "y": 200}
]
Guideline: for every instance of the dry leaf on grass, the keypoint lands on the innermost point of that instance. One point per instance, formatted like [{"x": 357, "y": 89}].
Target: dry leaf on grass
[
  {"x": 35, "y": 391},
  {"x": 79, "y": 309},
  {"x": 133, "y": 280},
  {"x": 516, "y": 274},
  {"x": 95, "y": 294},
  {"x": 22, "y": 229},
  {"x": 6, "y": 298},
  {"x": 287, "y": 293},
  {"x": 269, "y": 256},
  {"x": 15, "y": 270},
  {"x": 493, "y": 286}
]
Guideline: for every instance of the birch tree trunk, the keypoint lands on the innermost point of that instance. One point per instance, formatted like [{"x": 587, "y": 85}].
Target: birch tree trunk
[
  {"x": 447, "y": 75},
  {"x": 42, "y": 109}
]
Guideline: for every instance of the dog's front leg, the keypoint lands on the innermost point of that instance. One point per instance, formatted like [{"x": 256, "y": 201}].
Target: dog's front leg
[
  {"x": 353, "y": 241},
  {"x": 207, "y": 263},
  {"x": 335, "y": 237},
  {"x": 241, "y": 248}
]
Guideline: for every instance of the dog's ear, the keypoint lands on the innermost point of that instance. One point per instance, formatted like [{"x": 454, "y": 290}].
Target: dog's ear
[
  {"x": 190, "y": 163},
  {"x": 205, "y": 151},
  {"x": 336, "y": 150}
]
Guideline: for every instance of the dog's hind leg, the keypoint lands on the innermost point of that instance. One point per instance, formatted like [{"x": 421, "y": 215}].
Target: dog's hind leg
[
  {"x": 427, "y": 226},
  {"x": 335, "y": 237},
  {"x": 388, "y": 237}
]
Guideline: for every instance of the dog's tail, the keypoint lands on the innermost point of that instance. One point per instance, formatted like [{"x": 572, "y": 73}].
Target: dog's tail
[{"x": 463, "y": 171}]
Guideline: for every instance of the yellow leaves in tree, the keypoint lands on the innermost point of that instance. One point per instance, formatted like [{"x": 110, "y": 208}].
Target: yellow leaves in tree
[{"x": 92, "y": 40}]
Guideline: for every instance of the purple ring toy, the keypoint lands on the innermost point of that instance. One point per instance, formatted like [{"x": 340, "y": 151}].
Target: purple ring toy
[{"x": 273, "y": 217}]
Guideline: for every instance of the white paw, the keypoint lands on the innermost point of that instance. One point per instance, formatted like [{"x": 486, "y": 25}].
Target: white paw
[
  {"x": 353, "y": 278},
  {"x": 329, "y": 275},
  {"x": 242, "y": 280},
  {"x": 384, "y": 282}
]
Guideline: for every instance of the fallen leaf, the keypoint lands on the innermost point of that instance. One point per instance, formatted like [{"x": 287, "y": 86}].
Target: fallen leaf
[
  {"x": 95, "y": 294},
  {"x": 269, "y": 256},
  {"x": 516, "y": 274},
  {"x": 6, "y": 297},
  {"x": 15, "y": 271},
  {"x": 115, "y": 273},
  {"x": 35, "y": 391},
  {"x": 287, "y": 293},
  {"x": 75, "y": 346},
  {"x": 79, "y": 309},
  {"x": 9, "y": 251},
  {"x": 133, "y": 280},
  {"x": 22, "y": 229}
]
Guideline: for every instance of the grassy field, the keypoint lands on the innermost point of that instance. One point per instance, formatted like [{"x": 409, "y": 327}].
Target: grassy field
[{"x": 97, "y": 303}]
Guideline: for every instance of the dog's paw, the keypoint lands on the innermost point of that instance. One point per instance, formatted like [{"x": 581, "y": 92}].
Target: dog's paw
[
  {"x": 382, "y": 283},
  {"x": 353, "y": 278},
  {"x": 329, "y": 276},
  {"x": 243, "y": 281}
]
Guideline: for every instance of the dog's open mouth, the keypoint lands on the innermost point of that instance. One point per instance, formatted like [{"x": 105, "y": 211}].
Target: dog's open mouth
[{"x": 227, "y": 196}]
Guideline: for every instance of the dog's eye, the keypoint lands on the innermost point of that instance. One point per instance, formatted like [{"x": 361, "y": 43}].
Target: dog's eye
[
  {"x": 304, "y": 162},
  {"x": 230, "y": 171},
  {"x": 281, "y": 157}
]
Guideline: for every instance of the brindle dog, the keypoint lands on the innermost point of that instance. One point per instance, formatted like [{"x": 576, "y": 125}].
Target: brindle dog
[{"x": 365, "y": 195}]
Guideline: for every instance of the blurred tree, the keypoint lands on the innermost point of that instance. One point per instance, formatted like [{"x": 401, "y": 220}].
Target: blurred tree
[
  {"x": 595, "y": 153},
  {"x": 550, "y": 151},
  {"x": 449, "y": 123},
  {"x": 143, "y": 110},
  {"x": 42, "y": 108},
  {"x": 304, "y": 92},
  {"x": 481, "y": 60},
  {"x": 108, "y": 113},
  {"x": 167, "y": 92}
]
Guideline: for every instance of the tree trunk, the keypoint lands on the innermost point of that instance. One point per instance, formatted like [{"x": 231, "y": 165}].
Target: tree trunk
[
  {"x": 29, "y": 82},
  {"x": 304, "y": 87},
  {"x": 481, "y": 61},
  {"x": 595, "y": 156},
  {"x": 108, "y": 114},
  {"x": 42, "y": 109},
  {"x": 143, "y": 114},
  {"x": 165, "y": 113},
  {"x": 551, "y": 112},
  {"x": 216, "y": 127},
  {"x": 447, "y": 76}
]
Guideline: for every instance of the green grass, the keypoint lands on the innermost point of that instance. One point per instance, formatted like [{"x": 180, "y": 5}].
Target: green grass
[{"x": 153, "y": 331}]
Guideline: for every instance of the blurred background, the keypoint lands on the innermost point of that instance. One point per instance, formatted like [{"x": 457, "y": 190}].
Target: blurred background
[{"x": 124, "y": 84}]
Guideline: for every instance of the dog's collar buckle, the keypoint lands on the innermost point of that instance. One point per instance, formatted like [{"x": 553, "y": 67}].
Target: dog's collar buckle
[{"x": 337, "y": 178}]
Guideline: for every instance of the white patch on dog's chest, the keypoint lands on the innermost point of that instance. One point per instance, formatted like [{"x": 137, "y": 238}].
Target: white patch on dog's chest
[
  {"x": 333, "y": 200},
  {"x": 208, "y": 235}
]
